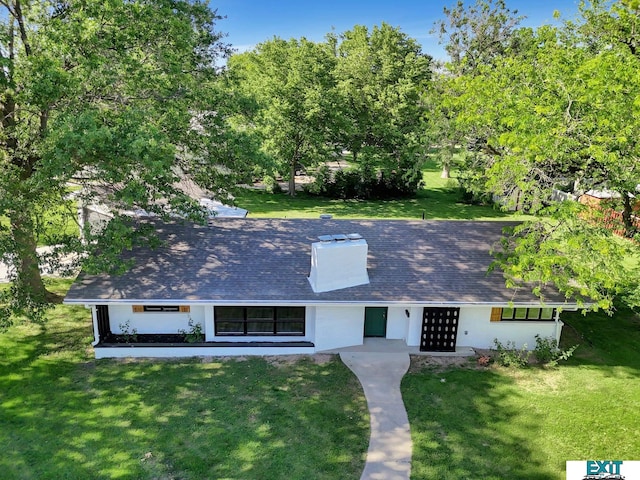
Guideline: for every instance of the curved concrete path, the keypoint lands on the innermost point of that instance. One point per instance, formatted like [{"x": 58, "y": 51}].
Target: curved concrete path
[{"x": 390, "y": 447}]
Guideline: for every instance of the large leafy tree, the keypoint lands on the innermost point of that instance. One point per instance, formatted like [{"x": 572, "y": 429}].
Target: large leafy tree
[
  {"x": 111, "y": 94},
  {"x": 380, "y": 76},
  {"x": 476, "y": 36},
  {"x": 560, "y": 108},
  {"x": 292, "y": 87}
]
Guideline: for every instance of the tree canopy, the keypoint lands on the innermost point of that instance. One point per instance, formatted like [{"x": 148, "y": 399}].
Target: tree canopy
[
  {"x": 101, "y": 93},
  {"x": 359, "y": 91},
  {"x": 292, "y": 86},
  {"x": 558, "y": 108},
  {"x": 123, "y": 98}
]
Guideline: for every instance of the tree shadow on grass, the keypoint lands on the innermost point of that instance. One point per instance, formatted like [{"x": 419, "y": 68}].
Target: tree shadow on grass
[
  {"x": 604, "y": 341},
  {"x": 65, "y": 415},
  {"x": 464, "y": 426}
]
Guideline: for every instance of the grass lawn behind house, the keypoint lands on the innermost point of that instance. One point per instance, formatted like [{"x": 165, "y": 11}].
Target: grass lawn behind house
[
  {"x": 65, "y": 415},
  {"x": 440, "y": 199},
  {"x": 500, "y": 423}
]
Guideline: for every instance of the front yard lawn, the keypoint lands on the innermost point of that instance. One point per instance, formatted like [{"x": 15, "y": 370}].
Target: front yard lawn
[
  {"x": 66, "y": 415},
  {"x": 497, "y": 423}
]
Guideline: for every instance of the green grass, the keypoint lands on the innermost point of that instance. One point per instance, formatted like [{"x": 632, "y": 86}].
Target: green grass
[
  {"x": 499, "y": 423},
  {"x": 440, "y": 199},
  {"x": 53, "y": 223},
  {"x": 67, "y": 415}
]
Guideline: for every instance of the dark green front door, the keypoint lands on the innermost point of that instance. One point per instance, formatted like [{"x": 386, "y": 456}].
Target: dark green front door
[{"x": 375, "y": 322}]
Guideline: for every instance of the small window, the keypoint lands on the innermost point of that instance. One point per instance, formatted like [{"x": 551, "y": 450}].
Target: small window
[
  {"x": 161, "y": 308},
  {"x": 547, "y": 314},
  {"x": 521, "y": 314},
  {"x": 533, "y": 314},
  {"x": 290, "y": 320}
]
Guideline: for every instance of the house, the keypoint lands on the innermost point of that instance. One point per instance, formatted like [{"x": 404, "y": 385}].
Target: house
[{"x": 277, "y": 286}]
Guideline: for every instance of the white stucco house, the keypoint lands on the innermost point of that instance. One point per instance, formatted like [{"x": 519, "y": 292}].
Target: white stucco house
[{"x": 272, "y": 286}]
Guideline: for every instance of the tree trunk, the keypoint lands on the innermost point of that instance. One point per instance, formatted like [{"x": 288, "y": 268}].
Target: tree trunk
[
  {"x": 627, "y": 212},
  {"x": 445, "y": 171},
  {"x": 292, "y": 178},
  {"x": 26, "y": 258}
]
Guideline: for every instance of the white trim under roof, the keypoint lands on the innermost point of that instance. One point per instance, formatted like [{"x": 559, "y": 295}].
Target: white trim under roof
[{"x": 283, "y": 302}]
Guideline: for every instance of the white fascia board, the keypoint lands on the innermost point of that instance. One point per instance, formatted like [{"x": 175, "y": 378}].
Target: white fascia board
[{"x": 312, "y": 303}]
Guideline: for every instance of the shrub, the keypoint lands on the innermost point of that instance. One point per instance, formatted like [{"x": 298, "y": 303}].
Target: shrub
[
  {"x": 548, "y": 353},
  {"x": 484, "y": 360},
  {"x": 363, "y": 182},
  {"x": 510, "y": 356},
  {"x": 271, "y": 185},
  {"x": 128, "y": 334},
  {"x": 322, "y": 178},
  {"x": 194, "y": 334}
]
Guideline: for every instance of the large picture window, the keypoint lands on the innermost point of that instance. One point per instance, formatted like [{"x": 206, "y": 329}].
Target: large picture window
[{"x": 259, "y": 320}]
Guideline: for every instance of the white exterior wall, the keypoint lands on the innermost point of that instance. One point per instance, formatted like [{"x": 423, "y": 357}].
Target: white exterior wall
[
  {"x": 415, "y": 326},
  {"x": 397, "y": 323},
  {"x": 328, "y": 327},
  {"x": 337, "y": 327},
  {"x": 154, "y": 322},
  {"x": 476, "y": 330},
  {"x": 124, "y": 351}
]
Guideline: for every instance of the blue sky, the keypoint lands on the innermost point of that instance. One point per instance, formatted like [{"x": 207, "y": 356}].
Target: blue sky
[{"x": 250, "y": 22}]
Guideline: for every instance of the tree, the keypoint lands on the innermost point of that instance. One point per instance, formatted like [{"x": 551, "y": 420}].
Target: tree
[
  {"x": 475, "y": 36},
  {"x": 478, "y": 34},
  {"x": 292, "y": 85},
  {"x": 612, "y": 35},
  {"x": 102, "y": 93},
  {"x": 380, "y": 77},
  {"x": 559, "y": 108}
]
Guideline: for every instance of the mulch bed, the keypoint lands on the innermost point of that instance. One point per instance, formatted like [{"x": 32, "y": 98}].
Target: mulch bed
[{"x": 146, "y": 338}]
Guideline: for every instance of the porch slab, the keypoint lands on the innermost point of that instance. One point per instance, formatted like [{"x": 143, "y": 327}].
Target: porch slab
[{"x": 385, "y": 345}]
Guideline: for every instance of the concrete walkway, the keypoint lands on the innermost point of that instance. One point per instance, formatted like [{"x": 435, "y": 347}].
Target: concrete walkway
[{"x": 390, "y": 447}]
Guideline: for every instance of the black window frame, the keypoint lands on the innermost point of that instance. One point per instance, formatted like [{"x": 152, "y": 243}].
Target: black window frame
[
  {"x": 161, "y": 308},
  {"x": 529, "y": 314},
  {"x": 274, "y": 320}
]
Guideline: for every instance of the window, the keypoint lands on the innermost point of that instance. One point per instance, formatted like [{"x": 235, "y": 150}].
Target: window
[
  {"x": 161, "y": 308},
  {"x": 259, "y": 321},
  {"x": 522, "y": 313}
]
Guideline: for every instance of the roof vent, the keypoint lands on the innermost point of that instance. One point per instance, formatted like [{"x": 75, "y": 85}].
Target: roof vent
[{"x": 338, "y": 261}]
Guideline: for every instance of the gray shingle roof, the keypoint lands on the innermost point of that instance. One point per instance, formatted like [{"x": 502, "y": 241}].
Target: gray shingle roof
[{"x": 268, "y": 260}]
